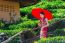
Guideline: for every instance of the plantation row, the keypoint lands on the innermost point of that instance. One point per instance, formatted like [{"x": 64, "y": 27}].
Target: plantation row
[
  {"x": 58, "y": 39},
  {"x": 46, "y": 5}
]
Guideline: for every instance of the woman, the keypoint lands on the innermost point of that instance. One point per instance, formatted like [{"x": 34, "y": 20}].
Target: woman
[{"x": 43, "y": 24}]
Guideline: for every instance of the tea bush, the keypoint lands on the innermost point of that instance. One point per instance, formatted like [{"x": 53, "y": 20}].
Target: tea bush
[
  {"x": 26, "y": 24},
  {"x": 55, "y": 7},
  {"x": 57, "y": 39}
]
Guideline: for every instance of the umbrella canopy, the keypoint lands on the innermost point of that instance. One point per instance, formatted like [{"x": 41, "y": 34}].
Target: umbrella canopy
[{"x": 36, "y": 13}]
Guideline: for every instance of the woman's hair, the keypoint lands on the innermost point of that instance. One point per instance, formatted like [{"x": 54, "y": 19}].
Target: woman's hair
[{"x": 41, "y": 13}]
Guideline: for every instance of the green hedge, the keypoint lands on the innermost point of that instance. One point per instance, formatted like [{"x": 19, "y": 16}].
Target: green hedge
[
  {"x": 45, "y": 5},
  {"x": 26, "y": 24},
  {"x": 12, "y": 32},
  {"x": 58, "y": 39},
  {"x": 54, "y": 7}
]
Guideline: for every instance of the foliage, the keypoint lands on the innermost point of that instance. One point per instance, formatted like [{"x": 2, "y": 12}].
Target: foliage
[
  {"x": 1, "y": 24},
  {"x": 25, "y": 18},
  {"x": 58, "y": 39},
  {"x": 54, "y": 7},
  {"x": 26, "y": 24},
  {"x": 12, "y": 32},
  {"x": 57, "y": 29}
]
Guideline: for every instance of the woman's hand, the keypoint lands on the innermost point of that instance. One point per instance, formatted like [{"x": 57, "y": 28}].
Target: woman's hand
[
  {"x": 39, "y": 24},
  {"x": 34, "y": 28}
]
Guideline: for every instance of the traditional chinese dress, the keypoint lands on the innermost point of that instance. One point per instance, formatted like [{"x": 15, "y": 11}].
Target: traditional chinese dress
[{"x": 44, "y": 28}]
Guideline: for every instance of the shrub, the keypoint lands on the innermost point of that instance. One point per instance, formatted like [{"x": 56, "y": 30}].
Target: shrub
[
  {"x": 28, "y": 24},
  {"x": 58, "y": 39},
  {"x": 25, "y": 24},
  {"x": 1, "y": 24},
  {"x": 12, "y": 32},
  {"x": 52, "y": 6}
]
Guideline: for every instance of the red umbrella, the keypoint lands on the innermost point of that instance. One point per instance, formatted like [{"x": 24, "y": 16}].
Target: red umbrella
[{"x": 36, "y": 13}]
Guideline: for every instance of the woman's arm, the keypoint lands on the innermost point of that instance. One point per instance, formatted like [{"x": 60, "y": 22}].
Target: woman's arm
[
  {"x": 47, "y": 22},
  {"x": 38, "y": 25}
]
